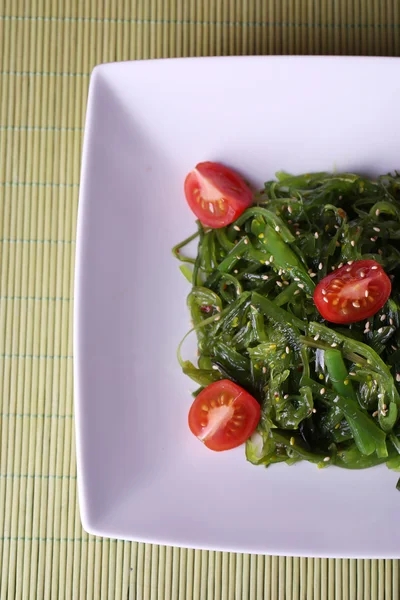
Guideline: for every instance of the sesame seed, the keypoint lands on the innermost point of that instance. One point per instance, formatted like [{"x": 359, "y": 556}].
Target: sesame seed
[
  {"x": 267, "y": 262},
  {"x": 376, "y": 229},
  {"x": 327, "y": 458},
  {"x": 287, "y": 349},
  {"x": 211, "y": 207},
  {"x": 316, "y": 235},
  {"x": 322, "y": 391},
  {"x": 285, "y": 283},
  {"x": 352, "y": 243},
  {"x": 218, "y": 308},
  {"x": 383, "y": 317},
  {"x": 296, "y": 279},
  {"x": 324, "y": 292},
  {"x": 375, "y": 414},
  {"x": 340, "y": 265},
  {"x": 301, "y": 285},
  {"x": 298, "y": 233},
  {"x": 236, "y": 227},
  {"x": 253, "y": 307},
  {"x": 279, "y": 283},
  {"x": 217, "y": 318},
  {"x": 264, "y": 369},
  {"x": 286, "y": 396},
  {"x": 238, "y": 257},
  {"x": 215, "y": 367},
  {"x": 277, "y": 228},
  {"x": 374, "y": 268},
  {"x": 290, "y": 210},
  {"x": 340, "y": 197},
  {"x": 313, "y": 274},
  {"x": 235, "y": 271},
  {"x": 271, "y": 258},
  {"x": 325, "y": 299},
  {"x": 350, "y": 262},
  {"x": 381, "y": 396},
  {"x": 380, "y": 329},
  {"x": 366, "y": 294},
  {"x": 397, "y": 376},
  {"x": 246, "y": 241},
  {"x": 352, "y": 374},
  {"x": 373, "y": 239},
  {"x": 333, "y": 345},
  {"x": 356, "y": 304},
  {"x": 314, "y": 410},
  {"x": 297, "y": 292},
  {"x": 265, "y": 277},
  {"x": 320, "y": 266},
  {"x": 336, "y": 226},
  {"x": 391, "y": 321},
  {"x": 362, "y": 274},
  {"x": 316, "y": 337},
  {"x": 280, "y": 272},
  {"x": 292, "y": 441},
  {"x": 367, "y": 325},
  {"x": 377, "y": 212}
]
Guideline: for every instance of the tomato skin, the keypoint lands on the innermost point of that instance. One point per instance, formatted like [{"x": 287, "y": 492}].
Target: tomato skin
[
  {"x": 216, "y": 194},
  {"x": 223, "y": 415},
  {"x": 352, "y": 293}
]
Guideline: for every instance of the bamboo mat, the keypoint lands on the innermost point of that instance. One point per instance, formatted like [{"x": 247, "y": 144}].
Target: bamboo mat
[{"x": 47, "y": 50}]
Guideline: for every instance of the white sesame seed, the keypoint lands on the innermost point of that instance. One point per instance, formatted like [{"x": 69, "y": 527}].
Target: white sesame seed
[
  {"x": 336, "y": 226},
  {"x": 313, "y": 274},
  {"x": 391, "y": 321},
  {"x": 376, "y": 229},
  {"x": 271, "y": 258},
  {"x": 334, "y": 344},
  {"x": 280, "y": 272},
  {"x": 367, "y": 325},
  {"x": 236, "y": 227},
  {"x": 286, "y": 282},
  {"x": 374, "y": 268},
  {"x": 301, "y": 285},
  {"x": 265, "y": 277},
  {"x": 297, "y": 292},
  {"x": 362, "y": 274},
  {"x": 397, "y": 376},
  {"x": 286, "y": 396},
  {"x": 377, "y": 212},
  {"x": 211, "y": 207},
  {"x": 320, "y": 266},
  {"x": 316, "y": 337},
  {"x": 238, "y": 257},
  {"x": 380, "y": 396},
  {"x": 277, "y": 228},
  {"x": 380, "y": 329},
  {"x": 356, "y": 304},
  {"x": 340, "y": 265},
  {"x": 264, "y": 369},
  {"x": 352, "y": 374},
  {"x": 352, "y": 243},
  {"x": 322, "y": 391},
  {"x": 324, "y": 292},
  {"x": 218, "y": 308},
  {"x": 298, "y": 233},
  {"x": 217, "y": 318},
  {"x": 246, "y": 241},
  {"x": 253, "y": 307},
  {"x": 348, "y": 270},
  {"x": 215, "y": 367},
  {"x": 366, "y": 294},
  {"x": 327, "y": 458},
  {"x": 279, "y": 283},
  {"x": 316, "y": 235},
  {"x": 375, "y": 414},
  {"x": 383, "y": 317},
  {"x": 267, "y": 262},
  {"x": 290, "y": 210},
  {"x": 325, "y": 299},
  {"x": 287, "y": 350},
  {"x": 350, "y": 262},
  {"x": 373, "y": 239},
  {"x": 296, "y": 279},
  {"x": 336, "y": 399}
]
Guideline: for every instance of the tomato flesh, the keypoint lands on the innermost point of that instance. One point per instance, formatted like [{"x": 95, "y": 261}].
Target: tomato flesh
[
  {"x": 353, "y": 293},
  {"x": 216, "y": 194},
  {"x": 223, "y": 415}
]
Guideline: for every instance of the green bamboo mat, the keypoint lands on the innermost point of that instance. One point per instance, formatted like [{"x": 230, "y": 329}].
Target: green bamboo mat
[{"x": 47, "y": 50}]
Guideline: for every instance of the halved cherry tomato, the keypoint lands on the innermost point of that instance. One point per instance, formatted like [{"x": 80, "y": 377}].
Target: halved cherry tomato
[
  {"x": 352, "y": 293},
  {"x": 217, "y": 195},
  {"x": 223, "y": 415}
]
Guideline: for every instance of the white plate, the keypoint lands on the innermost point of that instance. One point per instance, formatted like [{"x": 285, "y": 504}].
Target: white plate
[{"x": 142, "y": 475}]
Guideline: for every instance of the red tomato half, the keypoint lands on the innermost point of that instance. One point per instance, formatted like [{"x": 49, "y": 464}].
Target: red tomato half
[
  {"x": 223, "y": 415},
  {"x": 353, "y": 292},
  {"x": 217, "y": 195}
]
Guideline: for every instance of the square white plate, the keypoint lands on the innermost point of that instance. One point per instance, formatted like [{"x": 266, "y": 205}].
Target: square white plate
[{"x": 142, "y": 475}]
